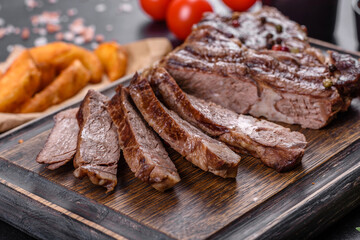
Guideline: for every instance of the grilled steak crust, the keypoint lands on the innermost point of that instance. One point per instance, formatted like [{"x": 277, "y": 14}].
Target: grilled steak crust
[
  {"x": 60, "y": 146},
  {"x": 142, "y": 148},
  {"x": 276, "y": 146},
  {"x": 259, "y": 30},
  {"x": 281, "y": 86},
  {"x": 98, "y": 150},
  {"x": 205, "y": 152}
]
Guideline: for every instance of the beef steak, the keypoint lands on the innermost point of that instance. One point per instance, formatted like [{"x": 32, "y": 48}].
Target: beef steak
[
  {"x": 60, "y": 146},
  {"x": 297, "y": 87},
  {"x": 205, "y": 152},
  {"x": 98, "y": 150},
  {"x": 142, "y": 148},
  {"x": 275, "y": 145}
]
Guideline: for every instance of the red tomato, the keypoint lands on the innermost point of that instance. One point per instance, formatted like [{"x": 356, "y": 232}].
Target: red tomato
[
  {"x": 239, "y": 5},
  {"x": 155, "y": 8},
  {"x": 183, "y": 14}
]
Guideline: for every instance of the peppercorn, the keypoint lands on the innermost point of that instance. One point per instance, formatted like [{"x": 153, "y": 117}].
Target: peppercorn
[
  {"x": 285, "y": 49},
  {"x": 279, "y": 28},
  {"x": 269, "y": 35},
  {"x": 278, "y": 40},
  {"x": 327, "y": 83},
  {"x": 242, "y": 39},
  {"x": 332, "y": 68},
  {"x": 263, "y": 20}
]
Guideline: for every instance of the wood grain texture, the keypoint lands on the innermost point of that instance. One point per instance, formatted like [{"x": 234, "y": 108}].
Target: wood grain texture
[{"x": 203, "y": 205}]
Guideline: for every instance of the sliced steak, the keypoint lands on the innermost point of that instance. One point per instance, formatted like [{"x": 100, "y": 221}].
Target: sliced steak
[
  {"x": 276, "y": 146},
  {"x": 142, "y": 148},
  {"x": 98, "y": 150},
  {"x": 294, "y": 87},
  {"x": 205, "y": 152},
  {"x": 60, "y": 146}
]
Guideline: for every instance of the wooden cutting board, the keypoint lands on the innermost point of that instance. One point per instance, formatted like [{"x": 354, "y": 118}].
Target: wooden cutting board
[{"x": 259, "y": 204}]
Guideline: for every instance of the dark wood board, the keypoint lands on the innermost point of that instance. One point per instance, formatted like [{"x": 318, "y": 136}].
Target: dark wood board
[{"x": 259, "y": 204}]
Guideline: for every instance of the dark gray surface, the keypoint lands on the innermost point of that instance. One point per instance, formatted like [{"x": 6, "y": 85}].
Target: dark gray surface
[{"x": 134, "y": 25}]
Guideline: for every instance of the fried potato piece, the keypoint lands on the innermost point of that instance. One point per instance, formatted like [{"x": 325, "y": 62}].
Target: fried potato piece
[
  {"x": 48, "y": 74},
  {"x": 19, "y": 83},
  {"x": 61, "y": 55},
  {"x": 113, "y": 58},
  {"x": 67, "y": 84}
]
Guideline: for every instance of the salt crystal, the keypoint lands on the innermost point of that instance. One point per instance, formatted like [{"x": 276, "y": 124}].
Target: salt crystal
[
  {"x": 42, "y": 31},
  {"x": 94, "y": 45},
  {"x": 99, "y": 38},
  {"x": 69, "y": 36},
  {"x": 2, "y": 32},
  {"x": 59, "y": 36},
  {"x": 10, "y": 48},
  {"x": 77, "y": 26},
  {"x": 25, "y": 34},
  {"x": 40, "y": 41},
  {"x": 79, "y": 40},
  {"x": 32, "y": 4},
  {"x": 72, "y": 12},
  {"x": 51, "y": 28},
  {"x": 88, "y": 33},
  {"x": 100, "y": 7},
  {"x": 46, "y": 17},
  {"x": 52, "y": 1},
  {"x": 109, "y": 27},
  {"x": 17, "y": 31},
  {"x": 125, "y": 7}
]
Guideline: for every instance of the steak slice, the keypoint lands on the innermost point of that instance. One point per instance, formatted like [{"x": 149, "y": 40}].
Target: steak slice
[
  {"x": 60, "y": 146},
  {"x": 293, "y": 87},
  {"x": 207, "y": 153},
  {"x": 276, "y": 146},
  {"x": 142, "y": 148},
  {"x": 98, "y": 150}
]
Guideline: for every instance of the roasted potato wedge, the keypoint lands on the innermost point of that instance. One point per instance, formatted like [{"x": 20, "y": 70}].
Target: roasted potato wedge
[
  {"x": 113, "y": 58},
  {"x": 61, "y": 55},
  {"x": 19, "y": 83},
  {"x": 67, "y": 84},
  {"x": 48, "y": 74}
]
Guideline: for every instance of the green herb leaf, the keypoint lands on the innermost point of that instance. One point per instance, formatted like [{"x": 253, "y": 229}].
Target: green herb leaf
[{"x": 358, "y": 228}]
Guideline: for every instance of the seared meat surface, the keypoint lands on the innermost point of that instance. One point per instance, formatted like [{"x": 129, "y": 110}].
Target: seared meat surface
[
  {"x": 98, "y": 150},
  {"x": 296, "y": 87},
  {"x": 207, "y": 153},
  {"x": 60, "y": 146},
  {"x": 276, "y": 146},
  {"x": 142, "y": 148}
]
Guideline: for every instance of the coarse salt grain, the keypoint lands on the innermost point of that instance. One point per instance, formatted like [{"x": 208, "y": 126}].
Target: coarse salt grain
[
  {"x": 77, "y": 26},
  {"x": 42, "y": 32},
  {"x": 2, "y": 32},
  {"x": 25, "y": 33},
  {"x": 79, "y": 40},
  {"x": 99, "y": 38},
  {"x": 125, "y": 7},
  {"x": 40, "y": 41},
  {"x": 31, "y": 4},
  {"x": 51, "y": 28},
  {"x": 88, "y": 33},
  {"x": 69, "y": 36},
  {"x": 10, "y": 48},
  {"x": 100, "y": 7},
  {"x": 94, "y": 45},
  {"x": 59, "y": 36},
  {"x": 52, "y": 1},
  {"x": 71, "y": 12}
]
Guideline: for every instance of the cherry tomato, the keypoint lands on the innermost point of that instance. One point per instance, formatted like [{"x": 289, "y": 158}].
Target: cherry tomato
[
  {"x": 156, "y": 9},
  {"x": 239, "y": 5},
  {"x": 183, "y": 14}
]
